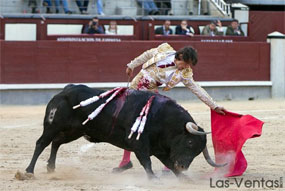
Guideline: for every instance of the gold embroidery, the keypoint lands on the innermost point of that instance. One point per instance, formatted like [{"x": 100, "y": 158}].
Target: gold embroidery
[
  {"x": 160, "y": 73},
  {"x": 149, "y": 76},
  {"x": 166, "y": 88},
  {"x": 186, "y": 73},
  {"x": 154, "y": 59},
  {"x": 151, "y": 56},
  {"x": 165, "y": 47},
  {"x": 174, "y": 80},
  {"x": 134, "y": 83}
]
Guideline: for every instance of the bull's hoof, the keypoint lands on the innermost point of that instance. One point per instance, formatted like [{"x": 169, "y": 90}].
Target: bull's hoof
[
  {"x": 24, "y": 176},
  {"x": 50, "y": 169},
  {"x": 123, "y": 168}
]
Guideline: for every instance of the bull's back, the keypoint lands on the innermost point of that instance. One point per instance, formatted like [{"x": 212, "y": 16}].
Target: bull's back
[{"x": 59, "y": 109}]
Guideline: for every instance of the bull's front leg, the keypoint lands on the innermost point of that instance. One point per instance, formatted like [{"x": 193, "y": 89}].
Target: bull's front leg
[{"x": 145, "y": 161}]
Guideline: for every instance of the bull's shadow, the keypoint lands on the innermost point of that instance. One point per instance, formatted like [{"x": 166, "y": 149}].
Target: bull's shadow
[{"x": 170, "y": 133}]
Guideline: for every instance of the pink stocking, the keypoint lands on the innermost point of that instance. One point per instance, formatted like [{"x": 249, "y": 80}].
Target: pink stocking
[{"x": 126, "y": 158}]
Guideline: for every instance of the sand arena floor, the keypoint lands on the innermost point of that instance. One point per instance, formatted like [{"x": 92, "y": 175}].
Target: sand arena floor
[{"x": 82, "y": 166}]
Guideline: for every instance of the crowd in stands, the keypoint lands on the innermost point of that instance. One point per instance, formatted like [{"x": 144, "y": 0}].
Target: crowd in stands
[
  {"x": 214, "y": 28},
  {"x": 49, "y": 4},
  {"x": 94, "y": 27},
  {"x": 150, "y": 7}
]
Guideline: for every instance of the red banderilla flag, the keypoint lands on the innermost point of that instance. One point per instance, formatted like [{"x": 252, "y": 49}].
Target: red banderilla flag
[{"x": 229, "y": 133}]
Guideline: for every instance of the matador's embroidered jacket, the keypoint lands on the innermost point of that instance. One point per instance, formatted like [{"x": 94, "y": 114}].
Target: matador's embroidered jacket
[{"x": 158, "y": 68}]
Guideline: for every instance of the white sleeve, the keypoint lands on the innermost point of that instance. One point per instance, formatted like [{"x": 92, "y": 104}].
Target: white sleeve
[
  {"x": 144, "y": 57},
  {"x": 199, "y": 92}
]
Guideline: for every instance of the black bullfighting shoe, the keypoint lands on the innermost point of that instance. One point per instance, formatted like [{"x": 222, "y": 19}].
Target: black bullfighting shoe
[{"x": 123, "y": 168}]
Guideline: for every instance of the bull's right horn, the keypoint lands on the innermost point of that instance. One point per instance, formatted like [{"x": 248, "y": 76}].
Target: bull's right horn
[
  {"x": 193, "y": 128},
  {"x": 209, "y": 160}
]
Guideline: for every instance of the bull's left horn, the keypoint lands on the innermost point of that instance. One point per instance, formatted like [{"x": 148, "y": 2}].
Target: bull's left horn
[
  {"x": 192, "y": 128},
  {"x": 209, "y": 160}
]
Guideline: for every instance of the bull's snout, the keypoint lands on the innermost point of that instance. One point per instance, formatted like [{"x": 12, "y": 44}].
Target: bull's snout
[{"x": 180, "y": 166}]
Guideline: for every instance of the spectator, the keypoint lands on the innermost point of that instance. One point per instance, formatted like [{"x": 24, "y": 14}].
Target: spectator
[
  {"x": 164, "y": 6},
  {"x": 82, "y": 7},
  {"x": 234, "y": 29},
  {"x": 100, "y": 7},
  {"x": 184, "y": 29},
  {"x": 33, "y": 4},
  {"x": 57, "y": 4},
  {"x": 204, "y": 7},
  {"x": 149, "y": 6},
  {"x": 93, "y": 27},
  {"x": 47, "y": 3},
  {"x": 165, "y": 29},
  {"x": 213, "y": 29},
  {"x": 113, "y": 28}
]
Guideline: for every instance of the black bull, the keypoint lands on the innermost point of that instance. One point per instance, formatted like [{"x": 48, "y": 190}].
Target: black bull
[{"x": 165, "y": 135}]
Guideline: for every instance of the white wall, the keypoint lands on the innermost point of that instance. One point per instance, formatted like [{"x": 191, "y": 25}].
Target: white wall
[
  {"x": 63, "y": 29},
  {"x": 21, "y": 32}
]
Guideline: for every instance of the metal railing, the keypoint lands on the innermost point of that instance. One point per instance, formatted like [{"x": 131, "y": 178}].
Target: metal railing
[
  {"x": 222, "y": 6},
  {"x": 115, "y": 7}
]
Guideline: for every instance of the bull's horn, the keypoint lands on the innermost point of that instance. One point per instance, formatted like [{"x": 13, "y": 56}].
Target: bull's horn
[
  {"x": 192, "y": 128},
  {"x": 209, "y": 160}
]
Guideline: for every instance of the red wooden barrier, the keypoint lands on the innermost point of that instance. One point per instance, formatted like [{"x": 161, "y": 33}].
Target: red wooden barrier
[
  {"x": 262, "y": 23},
  {"x": 67, "y": 62}
]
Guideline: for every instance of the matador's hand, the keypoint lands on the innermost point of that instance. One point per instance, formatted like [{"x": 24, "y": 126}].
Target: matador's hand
[
  {"x": 220, "y": 110},
  {"x": 129, "y": 72}
]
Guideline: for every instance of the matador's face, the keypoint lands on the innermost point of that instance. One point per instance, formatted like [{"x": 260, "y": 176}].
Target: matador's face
[{"x": 181, "y": 64}]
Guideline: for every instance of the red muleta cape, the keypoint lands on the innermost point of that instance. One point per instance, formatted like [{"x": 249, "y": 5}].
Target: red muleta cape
[{"x": 229, "y": 133}]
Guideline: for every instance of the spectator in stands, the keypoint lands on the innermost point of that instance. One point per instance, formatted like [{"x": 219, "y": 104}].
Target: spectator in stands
[
  {"x": 204, "y": 6},
  {"x": 57, "y": 4},
  {"x": 82, "y": 6},
  {"x": 234, "y": 29},
  {"x": 33, "y": 4},
  {"x": 47, "y": 3},
  {"x": 184, "y": 29},
  {"x": 149, "y": 6},
  {"x": 93, "y": 27},
  {"x": 165, "y": 29},
  {"x": 100, "y": 7},
  {"x": 213, "y": 29},
  {"x": 164, "y": 6},
  {"x": 113, "y": 28}
]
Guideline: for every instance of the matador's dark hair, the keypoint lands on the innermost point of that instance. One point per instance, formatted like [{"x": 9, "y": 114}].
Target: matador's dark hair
[{"x": 188, "y": 54}]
